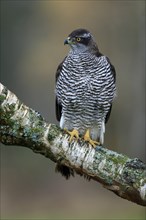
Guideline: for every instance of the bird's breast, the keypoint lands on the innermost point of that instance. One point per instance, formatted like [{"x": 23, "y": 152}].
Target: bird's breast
[{"x": 80, "y": 81}]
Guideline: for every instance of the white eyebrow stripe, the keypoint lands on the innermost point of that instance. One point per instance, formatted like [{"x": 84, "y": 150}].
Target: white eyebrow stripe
[{"x": 86, "y": 35}]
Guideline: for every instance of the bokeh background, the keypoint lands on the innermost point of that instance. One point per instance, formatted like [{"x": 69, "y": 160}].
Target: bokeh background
[{"x": 32, "y": 35}]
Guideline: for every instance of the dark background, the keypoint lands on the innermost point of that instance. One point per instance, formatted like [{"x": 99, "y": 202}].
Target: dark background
[{"x": 32, "y": 35}]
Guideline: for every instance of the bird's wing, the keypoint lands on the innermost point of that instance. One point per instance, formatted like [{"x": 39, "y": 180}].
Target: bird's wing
[
  {"x": 113, "y": 71},
  {"x": 58, "y": 105}
]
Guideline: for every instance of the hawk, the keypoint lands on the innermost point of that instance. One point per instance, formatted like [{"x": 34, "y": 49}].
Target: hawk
[{"x": 85, "y": 89}]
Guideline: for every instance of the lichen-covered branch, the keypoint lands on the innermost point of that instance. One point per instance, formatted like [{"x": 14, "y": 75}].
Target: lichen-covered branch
[{"x": 22, "y": 126}]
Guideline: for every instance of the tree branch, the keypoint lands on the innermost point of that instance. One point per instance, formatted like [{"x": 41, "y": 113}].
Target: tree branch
[{"x": 22, "y": 126}]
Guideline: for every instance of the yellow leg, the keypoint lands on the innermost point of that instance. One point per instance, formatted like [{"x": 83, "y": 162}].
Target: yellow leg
[
  {"x": 73, "y": 133},
  {"x": 87, "y": 138}
]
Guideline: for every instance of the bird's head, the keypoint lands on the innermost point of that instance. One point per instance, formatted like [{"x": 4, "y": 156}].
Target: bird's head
[{"x": 81, "y": 40}]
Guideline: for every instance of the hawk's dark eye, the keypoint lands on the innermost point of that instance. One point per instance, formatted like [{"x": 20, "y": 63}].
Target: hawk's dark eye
[{"x": 78, "y": 39}]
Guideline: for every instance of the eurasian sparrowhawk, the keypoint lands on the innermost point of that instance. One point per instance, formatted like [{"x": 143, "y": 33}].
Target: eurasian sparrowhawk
[{"x": 85, "y": 89}]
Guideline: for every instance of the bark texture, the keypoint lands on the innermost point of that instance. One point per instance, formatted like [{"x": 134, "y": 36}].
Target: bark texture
[{"x": 22, "y": 126}]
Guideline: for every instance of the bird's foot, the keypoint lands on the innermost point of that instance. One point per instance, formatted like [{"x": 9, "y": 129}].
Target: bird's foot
[
  {"x": 73, "y": 134},
  {"x": 92, "y": 142}
]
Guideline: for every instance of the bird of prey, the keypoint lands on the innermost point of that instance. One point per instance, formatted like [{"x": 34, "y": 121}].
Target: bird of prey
[{"x": 85, "y": 89}]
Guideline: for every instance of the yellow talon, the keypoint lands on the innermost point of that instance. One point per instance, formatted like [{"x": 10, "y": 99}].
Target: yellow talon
[
  {"x": 87, "y": 138},
  {"x": 73, "y": 133}
]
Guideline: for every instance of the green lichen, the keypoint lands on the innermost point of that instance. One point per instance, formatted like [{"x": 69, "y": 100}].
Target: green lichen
[
  {"x": 134, "y": 172},
  {"x": 14, "y": 129},
  {"x": 117, "y": 159},
  {"x": 3, "y": 95},
  {"x": 2, "y": 98},
  {"x": 12, "y": 107},
  {"x": 112, "y": 157},
  {"x": 36, "y": 117},
  {"x": 53, "y": 132},
  {"x": 110, "y": 169}
]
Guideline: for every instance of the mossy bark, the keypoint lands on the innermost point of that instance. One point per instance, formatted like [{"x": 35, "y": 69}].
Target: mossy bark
[{"x": 22, "y": 126}]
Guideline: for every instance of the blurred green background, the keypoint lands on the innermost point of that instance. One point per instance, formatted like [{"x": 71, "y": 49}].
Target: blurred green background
[{"x": 32, "y": 35}]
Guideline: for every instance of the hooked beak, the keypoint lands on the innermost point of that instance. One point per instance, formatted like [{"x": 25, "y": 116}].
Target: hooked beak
[{"x": 68, "y": 41}]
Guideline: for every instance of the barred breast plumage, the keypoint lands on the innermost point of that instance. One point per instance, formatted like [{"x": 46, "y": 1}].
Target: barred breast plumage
[{"x": 85, "y": 87}]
